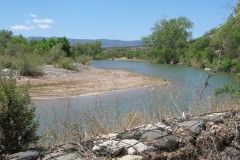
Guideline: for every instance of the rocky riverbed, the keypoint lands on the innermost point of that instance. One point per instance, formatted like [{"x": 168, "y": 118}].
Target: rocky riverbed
[{"x": 209, "y": 136}]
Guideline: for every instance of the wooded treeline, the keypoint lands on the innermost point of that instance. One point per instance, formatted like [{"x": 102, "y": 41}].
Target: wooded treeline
[
  {"x": 170, "y": 42},
  {"x": 17, "y": 53}
]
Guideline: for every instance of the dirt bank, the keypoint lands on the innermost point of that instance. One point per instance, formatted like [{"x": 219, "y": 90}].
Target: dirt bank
[{"x": 58, "y": 83}]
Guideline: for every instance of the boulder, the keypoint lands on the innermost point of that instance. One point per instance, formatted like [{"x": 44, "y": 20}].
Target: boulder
[
  {"x": 25, "y": 155},
  {"x": 111, "y": 147},
  {"x": 216, "y": 118},
  {"x": 195, "y": 126},
  {"x": 134, "y": 146},
  {"x": 153, "y": 135},
  {"x": 134, "y": 134},
  {"x": 115, "y": 147}
]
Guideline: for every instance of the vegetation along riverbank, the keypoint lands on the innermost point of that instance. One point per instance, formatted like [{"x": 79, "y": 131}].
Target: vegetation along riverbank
[
  {"x": 170, "y": 42},
  {"x": 45, "y": 68}
]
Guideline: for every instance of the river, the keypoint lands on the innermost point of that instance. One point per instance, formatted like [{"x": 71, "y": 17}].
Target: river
[{"x": 186, "y": 82}]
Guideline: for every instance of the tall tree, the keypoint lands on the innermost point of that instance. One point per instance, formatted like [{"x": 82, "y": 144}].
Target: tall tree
[
  {"x": 169, "y": 38},
  {"x": 65, "y": 45}
]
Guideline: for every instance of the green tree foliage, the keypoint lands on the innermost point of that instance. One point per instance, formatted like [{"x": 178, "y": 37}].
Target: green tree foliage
[
  {"x": 169, "y": 38},
  {"x": 43, "y": 46},
  {"x": 226, "y": 41},
  {"x": 5, "y": 36},
  {"x": 90, "y": 49},
  {"x": 65, "y": 45},
  {"x": 55, "y": 54},
  {"x": 140, "y": 53},
  {"x": 28, "y": 56},
  {"x": 17, "y": 124}
]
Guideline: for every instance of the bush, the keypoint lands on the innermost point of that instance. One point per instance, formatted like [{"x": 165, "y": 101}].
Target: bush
[
  {"x": 84, "y": 59},
  {"x": 55, "y": 54},
  {"x": 225, "y": 64},
  {"x": 29, "y": 65},
  {"x": 237, "y": 67},
  {"x": 7, "y": 61},
  {"x": 103, "y": 55},
  {"x": 66, "y": 63},
  {"x": 231, "y": 91},
  {"x": 17, "y": 124},
  {"x": 1, "y": 63}
]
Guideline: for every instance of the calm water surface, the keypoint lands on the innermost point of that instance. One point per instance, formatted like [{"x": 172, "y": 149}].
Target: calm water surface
[{"x": 185, "y": 82}]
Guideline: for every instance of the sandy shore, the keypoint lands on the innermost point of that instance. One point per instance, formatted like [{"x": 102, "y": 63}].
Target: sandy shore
[
  {"x": 59, "y": 83},
  {"x": 127, "y": 59}
]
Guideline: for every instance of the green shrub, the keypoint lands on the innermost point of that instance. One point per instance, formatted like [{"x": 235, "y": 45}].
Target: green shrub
[
  {"x": 17, "y": 124},
  {"x": 232, "y": 92},
  {"x": 7, "y": 61},
  {"x": 67, "y": 63},
  {"x": 55, "y": 54},
  {"x": 29, "y": 65},
  {"x": 104, "y": 55},
  {"x": 84, "y": 59},
  {"x": 225, "y": 64},
  {"x": 237, "y": 67},
  {"x": 1, "y": 63}
]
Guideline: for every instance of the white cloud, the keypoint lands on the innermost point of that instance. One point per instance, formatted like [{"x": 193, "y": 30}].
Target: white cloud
[
  {"x": 44, "y": 26},
  {"x": 43, "y": 21},
  {"x": 33, "y": 15},
  {"x": 21, "y": 27}
]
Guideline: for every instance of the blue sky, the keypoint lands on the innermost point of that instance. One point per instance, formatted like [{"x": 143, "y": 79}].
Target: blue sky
[{"x": 107, "y": 19}]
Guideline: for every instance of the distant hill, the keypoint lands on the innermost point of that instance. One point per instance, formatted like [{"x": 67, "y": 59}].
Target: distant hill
[{"x": 106, "y": 43}]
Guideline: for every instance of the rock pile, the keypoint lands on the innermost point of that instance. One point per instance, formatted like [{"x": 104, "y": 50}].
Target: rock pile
[{"x": 209, "y": 136}]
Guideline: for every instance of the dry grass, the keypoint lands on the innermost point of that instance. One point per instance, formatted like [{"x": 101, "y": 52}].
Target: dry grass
[{"x": 81, "y": 126}]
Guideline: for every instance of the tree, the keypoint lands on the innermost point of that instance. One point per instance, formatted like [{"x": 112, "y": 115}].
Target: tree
[
  {"x": 17, "y": 124},
  {"x": 90, "y": 49},
  {"x": 170, "y": 38},
  {"x": 226, "y": 42},
  {"x": 5, "y": 37},
  {"x": 65, "y": 45},
  {"x": 41, "y": 47}
]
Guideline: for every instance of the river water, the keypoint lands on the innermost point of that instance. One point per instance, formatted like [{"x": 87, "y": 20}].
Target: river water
[{"x": 186, "y": 82}]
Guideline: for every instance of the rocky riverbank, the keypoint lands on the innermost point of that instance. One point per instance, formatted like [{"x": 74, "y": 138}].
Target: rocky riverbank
[
  {"x": 58, "y": 82},
  {"x": 209, "y": 136}
]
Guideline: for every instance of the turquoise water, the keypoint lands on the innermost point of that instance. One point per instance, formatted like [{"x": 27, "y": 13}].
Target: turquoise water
[{"x": 185, "y": 84}]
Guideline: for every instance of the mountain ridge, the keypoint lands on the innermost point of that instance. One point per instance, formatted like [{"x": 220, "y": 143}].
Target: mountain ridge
[{"x": 106, "y": 43}]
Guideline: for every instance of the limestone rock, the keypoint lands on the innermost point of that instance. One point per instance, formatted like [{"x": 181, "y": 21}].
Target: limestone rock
[
  {"x": 25, "y": 155},
  {"x": 194, "y": 125},
  {"x": 130, "y": 157},
  {"x": 114, "y": 147}
]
